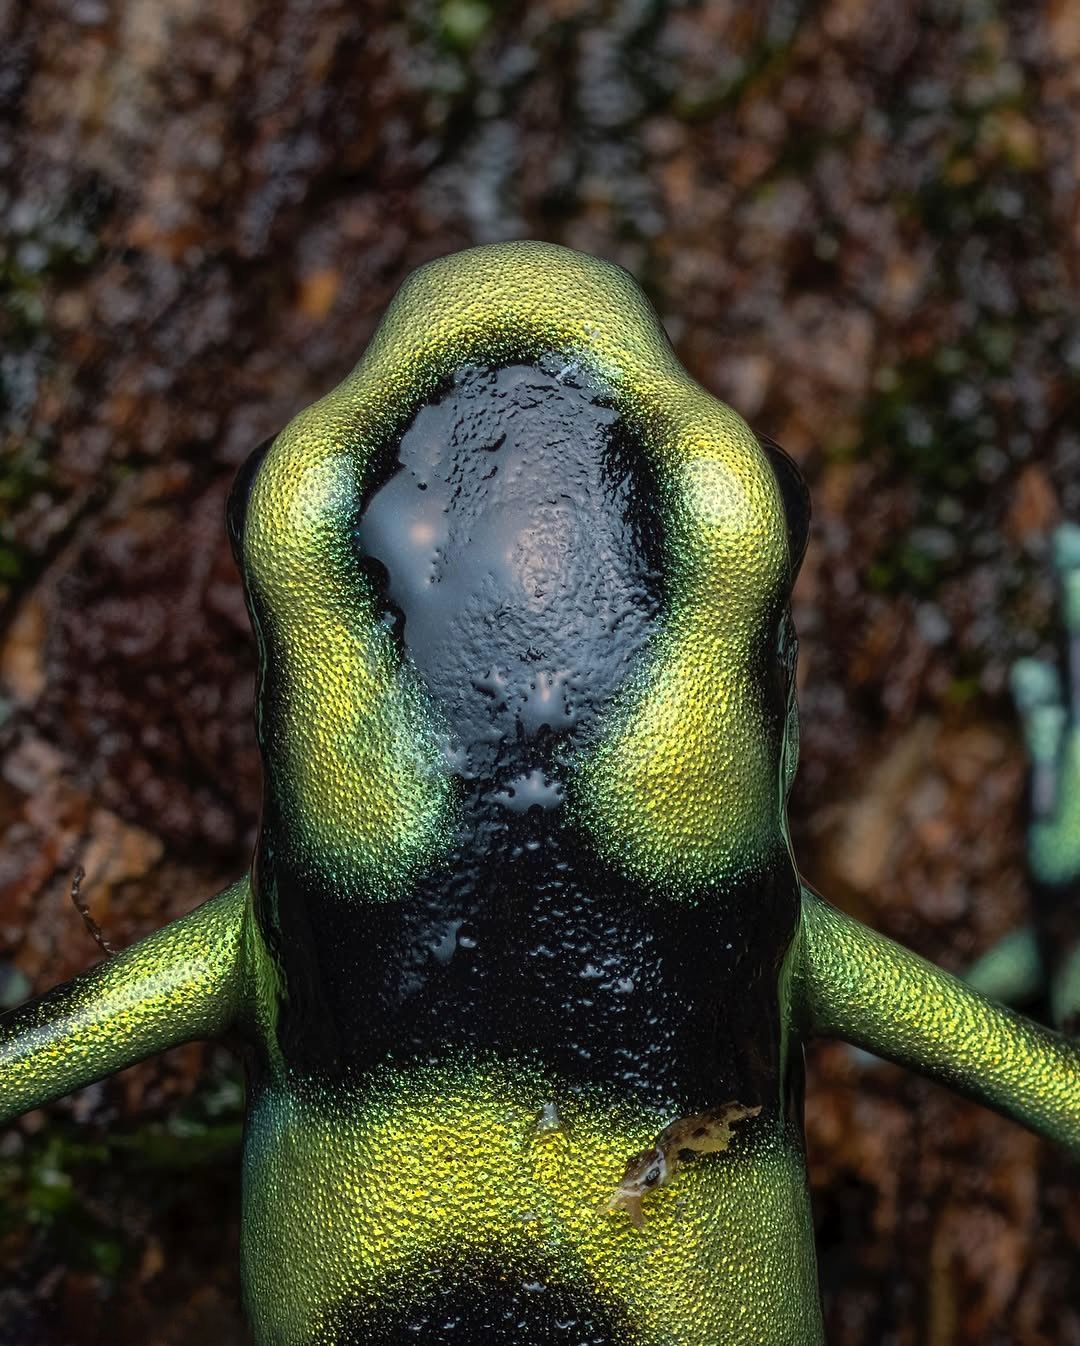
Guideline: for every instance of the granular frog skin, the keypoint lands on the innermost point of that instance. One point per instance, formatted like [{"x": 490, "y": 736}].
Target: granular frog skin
[{"x": 523, "y": 921}]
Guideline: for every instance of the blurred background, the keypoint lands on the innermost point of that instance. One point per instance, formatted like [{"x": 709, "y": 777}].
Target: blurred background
[{"x": 859, "y": 222}]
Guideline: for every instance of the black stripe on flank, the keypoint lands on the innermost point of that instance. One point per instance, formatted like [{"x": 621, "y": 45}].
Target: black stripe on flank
[{"x": 477, "y": 1307}]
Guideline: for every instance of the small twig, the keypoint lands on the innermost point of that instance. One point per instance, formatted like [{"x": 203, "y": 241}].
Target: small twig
[{"x": 84, "y": 911}]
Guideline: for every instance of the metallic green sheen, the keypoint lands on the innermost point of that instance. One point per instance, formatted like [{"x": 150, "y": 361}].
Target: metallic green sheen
[{"x": 464, "y": 1015}]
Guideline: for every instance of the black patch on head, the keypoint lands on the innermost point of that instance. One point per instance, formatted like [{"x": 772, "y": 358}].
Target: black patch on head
[
  {"x": 796, "y": 498},
  {"x": 515, "y": 548}
]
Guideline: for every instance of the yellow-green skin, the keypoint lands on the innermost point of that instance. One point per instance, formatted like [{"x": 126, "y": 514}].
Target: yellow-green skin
[{"x": 375, "y": 1189}]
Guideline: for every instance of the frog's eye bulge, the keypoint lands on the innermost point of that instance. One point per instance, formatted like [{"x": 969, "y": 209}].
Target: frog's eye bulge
[
  {"x": 523, "y": 911},
  {"x": 796, "y": 497}
]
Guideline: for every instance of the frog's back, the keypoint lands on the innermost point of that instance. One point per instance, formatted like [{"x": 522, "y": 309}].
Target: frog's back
[{"x": 522, "y": 893}]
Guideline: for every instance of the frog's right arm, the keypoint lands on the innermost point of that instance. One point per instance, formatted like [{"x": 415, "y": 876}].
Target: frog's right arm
[
  {"x": 181, "y": 983},
  {"x": 857, "y": 985}
]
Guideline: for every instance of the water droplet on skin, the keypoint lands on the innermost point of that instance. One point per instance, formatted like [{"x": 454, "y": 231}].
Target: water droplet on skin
[
  {"x": 535, "y": 789},
  {"x": 548, "y": 1120},
  {"x": 444, "y": 946},
  {"x": 547, "y": 704}
]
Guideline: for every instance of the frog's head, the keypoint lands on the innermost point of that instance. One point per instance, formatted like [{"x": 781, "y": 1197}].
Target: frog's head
[
  {"x": 645, "y": 1172},
  {"x": 400, "y": 595}
]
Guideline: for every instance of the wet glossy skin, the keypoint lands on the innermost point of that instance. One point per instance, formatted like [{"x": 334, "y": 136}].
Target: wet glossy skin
[
  {"x": 523, "y": 901},
  {"x": 515, "y": 553}
]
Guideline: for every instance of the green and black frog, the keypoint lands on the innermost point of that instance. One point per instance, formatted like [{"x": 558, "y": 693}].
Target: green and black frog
[
  {"x": 1038, "y": 966},
  {"x": 523, "y": 927}
]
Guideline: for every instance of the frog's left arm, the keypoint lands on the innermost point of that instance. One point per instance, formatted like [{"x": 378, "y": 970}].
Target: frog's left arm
[
  {"x": 857, "y": 985},
  {"x": 180, "y": 983}
]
